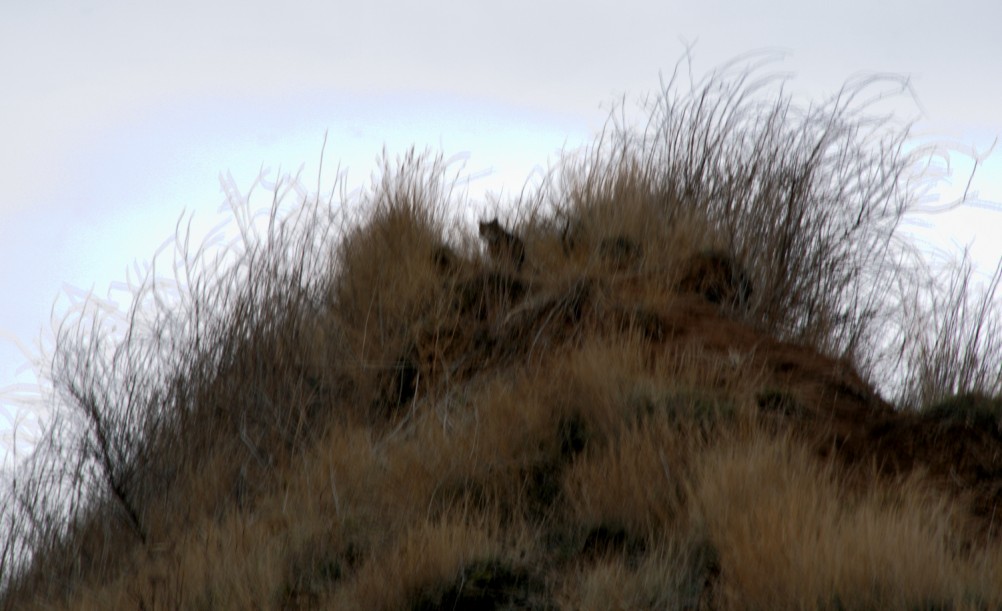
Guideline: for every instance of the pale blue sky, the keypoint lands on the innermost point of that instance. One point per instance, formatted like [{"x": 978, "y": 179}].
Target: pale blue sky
[{"x": 117, "y": 116}]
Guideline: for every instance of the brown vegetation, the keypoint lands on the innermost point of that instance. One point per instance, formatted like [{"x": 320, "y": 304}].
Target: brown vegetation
[{"x": 365, "y": 413}]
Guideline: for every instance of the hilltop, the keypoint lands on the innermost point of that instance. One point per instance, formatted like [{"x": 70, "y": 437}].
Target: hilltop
[{"x": 695, "y": 368}]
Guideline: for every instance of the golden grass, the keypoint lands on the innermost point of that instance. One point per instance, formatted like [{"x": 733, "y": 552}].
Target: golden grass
[
  {"x": 424, "y": 558},
  {"x": 371, "y": 413},
  {"x": 790, "y": 537},
  {"x": 667, "y": 578}
]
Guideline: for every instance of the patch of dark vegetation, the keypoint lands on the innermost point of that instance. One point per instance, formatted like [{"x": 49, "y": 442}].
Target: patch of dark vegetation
[
  {"x": 445, "y": 259},
  {"x": 489, "y": 292},
  {"x": 971, "y": 410},
  {"x": 785, "y": 366},
  {"x": 718, "y": 278},
  {"x": 487, "y": 585},
  {"x": 400, "y": 386},
  {"x": 314, "y": 569},
  {"x": 619, "y": 251},
  {"x": 611, "y": 539},
  {"x": 702, "y": 407},
  {"x": 700, "y": 586},
  {"x": 577, "y": 543},
  {"x": 542, "y": 488},
  {"x": 779, "y": 402},
  {"x": 650, "y": 325},
  {"x": 574, "y": 436}
]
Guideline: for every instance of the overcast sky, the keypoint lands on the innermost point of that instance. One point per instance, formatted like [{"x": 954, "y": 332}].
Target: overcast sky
[{"x": 118, "y": 116}]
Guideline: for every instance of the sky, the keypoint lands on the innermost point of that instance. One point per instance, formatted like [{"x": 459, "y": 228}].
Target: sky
[{"x": 120, "y": 117}]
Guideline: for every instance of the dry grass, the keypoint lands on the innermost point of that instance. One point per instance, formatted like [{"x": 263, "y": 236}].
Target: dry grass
[
  {"x": 664, "y": 407},
  {"x": 791, "y": 537}
]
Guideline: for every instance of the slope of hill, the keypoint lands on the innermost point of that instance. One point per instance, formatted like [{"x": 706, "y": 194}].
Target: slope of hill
[{"x": 668, "y": 385}]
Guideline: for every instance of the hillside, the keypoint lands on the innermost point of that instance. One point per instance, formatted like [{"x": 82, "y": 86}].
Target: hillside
[{"x": 695, "y": 368}]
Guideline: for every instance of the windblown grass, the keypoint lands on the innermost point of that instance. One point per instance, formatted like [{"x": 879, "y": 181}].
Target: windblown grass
[{"x": 355, "y": 407}]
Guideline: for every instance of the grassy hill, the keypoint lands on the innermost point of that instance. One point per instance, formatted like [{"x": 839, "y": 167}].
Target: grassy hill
[{"x": 695, "y": 368}]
